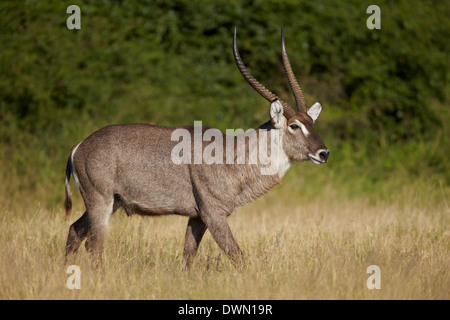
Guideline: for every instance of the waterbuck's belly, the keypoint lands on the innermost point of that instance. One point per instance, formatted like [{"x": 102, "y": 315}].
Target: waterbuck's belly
[
  {"x": 155, "y": 201},
  {"x": 150, "y": 188},
  {"x": 153, "y": 208}
]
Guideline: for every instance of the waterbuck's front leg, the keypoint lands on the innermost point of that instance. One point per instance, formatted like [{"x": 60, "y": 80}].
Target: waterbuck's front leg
[
  {"x": 220, "y": 230},
  {"x": 194, "y": 232}
]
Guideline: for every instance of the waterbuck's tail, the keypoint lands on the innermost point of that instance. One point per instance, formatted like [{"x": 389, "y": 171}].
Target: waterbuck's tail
[{"x": 68, "y": 200}]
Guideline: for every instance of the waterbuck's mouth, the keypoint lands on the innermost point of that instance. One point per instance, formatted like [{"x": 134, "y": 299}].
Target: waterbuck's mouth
[
  {"x": 315, "y": 160},
  {"x": 320, "y": 157}
]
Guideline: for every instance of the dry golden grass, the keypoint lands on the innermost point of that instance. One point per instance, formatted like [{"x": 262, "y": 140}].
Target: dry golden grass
[{"x": 314, "y": 250}]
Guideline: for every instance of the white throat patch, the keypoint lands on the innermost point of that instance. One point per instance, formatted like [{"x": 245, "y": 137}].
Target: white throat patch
[{"x": 283, "y": 161}]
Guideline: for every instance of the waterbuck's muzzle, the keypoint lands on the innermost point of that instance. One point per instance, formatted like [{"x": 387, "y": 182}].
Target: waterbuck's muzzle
[{"x": 320, "y": 157}]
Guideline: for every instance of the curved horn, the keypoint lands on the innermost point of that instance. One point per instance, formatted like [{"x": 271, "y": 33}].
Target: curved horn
[
  {"x": 265, "y": 93},
  {"x": 295, "y": 87}
]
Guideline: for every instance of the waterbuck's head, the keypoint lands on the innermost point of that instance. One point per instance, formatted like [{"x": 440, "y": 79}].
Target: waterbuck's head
[{"x": 300, "y": 140}]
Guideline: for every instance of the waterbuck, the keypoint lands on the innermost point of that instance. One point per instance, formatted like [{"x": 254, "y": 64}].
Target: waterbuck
[{"x": 132, "y": 166}]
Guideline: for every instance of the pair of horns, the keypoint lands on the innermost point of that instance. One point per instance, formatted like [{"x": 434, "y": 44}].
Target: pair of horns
[{"x": 263, "y": 91}]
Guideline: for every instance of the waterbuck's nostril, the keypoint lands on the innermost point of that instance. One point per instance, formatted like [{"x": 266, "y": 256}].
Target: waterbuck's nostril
[{"x": 324, "y": 155}]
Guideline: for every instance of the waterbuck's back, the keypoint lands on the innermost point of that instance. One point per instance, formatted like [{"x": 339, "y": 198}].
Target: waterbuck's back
[{"x": 133, "y": 163}]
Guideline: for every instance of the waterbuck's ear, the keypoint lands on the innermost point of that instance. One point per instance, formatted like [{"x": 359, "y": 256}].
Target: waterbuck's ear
[
  {"x": 276, "y": 114},
  {"x": 314, "y": 111}
]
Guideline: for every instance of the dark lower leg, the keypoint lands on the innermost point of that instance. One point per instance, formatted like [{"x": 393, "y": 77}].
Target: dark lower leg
[
  {"x": 94, "y": 244},
  {"x": 221, "y": 232},
  {"x": 77, "y": 232},
  {"x": 194, "y": 232}
]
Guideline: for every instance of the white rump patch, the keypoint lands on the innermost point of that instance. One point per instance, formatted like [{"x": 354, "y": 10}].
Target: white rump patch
[{"x": 74, "y": 172}]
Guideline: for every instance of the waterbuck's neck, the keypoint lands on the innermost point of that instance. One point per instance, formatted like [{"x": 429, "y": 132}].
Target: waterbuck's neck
[
  {"x": 258, "y": 176},
  {"x": 282, "y": 161}
]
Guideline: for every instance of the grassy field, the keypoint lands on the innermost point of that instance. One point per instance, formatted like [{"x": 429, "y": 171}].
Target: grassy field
[
  {"x": 295, "y": 249},
  {"x": 382, "y": 199}
]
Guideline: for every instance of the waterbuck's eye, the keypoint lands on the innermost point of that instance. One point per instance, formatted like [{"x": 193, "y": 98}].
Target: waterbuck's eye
[{"x": 300, "y": 125}]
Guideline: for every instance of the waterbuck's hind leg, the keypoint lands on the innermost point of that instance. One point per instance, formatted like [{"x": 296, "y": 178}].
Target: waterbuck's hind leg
[
  {"x": 194, "y": 232},
  {"x": 77, "y": 233},
  {"x": 99, "y": 213}
]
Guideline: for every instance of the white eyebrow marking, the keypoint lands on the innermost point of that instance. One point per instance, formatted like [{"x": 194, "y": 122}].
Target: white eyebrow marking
[{"x": 303, "y": 127}]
